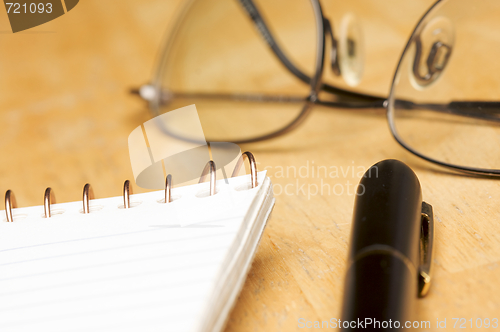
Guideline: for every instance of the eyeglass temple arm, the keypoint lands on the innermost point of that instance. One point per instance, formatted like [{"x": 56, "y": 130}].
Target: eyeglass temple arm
[
  {"x": 266, "y": 34},
  {"x": 147, "y": 92},
  {"x": 481, "y": 110},
  {"x": 167, "y": 96}
]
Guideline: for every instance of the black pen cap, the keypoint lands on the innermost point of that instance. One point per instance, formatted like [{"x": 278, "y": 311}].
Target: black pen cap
[
  {"x": 382, "y": 273},
  {"x": 388, "y": 210}
]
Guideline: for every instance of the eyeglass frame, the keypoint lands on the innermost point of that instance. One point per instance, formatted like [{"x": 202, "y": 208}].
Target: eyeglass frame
[{"x": 345, "y": 98}]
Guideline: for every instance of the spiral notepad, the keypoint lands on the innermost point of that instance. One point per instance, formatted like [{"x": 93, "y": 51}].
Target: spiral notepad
[{"x": 150, "y": 267}]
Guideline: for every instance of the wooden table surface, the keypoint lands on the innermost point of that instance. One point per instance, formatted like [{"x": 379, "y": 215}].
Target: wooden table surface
[{"x": 67, "y": 115}]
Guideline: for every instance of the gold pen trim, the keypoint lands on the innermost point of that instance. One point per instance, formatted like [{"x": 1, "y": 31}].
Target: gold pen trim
[{"x": 426, "y": 249}]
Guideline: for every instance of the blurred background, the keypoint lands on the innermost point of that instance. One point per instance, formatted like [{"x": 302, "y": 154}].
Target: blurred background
[{"x": 66, "y": 109}]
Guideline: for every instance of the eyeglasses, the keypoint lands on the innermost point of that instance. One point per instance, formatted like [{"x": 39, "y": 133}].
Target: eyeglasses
[{"x": 256, "y": 68}]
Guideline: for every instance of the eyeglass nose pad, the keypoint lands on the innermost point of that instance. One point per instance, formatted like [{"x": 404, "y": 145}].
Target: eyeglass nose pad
[
  {"x": 351, "y": 50},
  {"x": 346, "y": 54},
  {"x": 438, "y": 57},
  {"x": 433, "y": 47}
]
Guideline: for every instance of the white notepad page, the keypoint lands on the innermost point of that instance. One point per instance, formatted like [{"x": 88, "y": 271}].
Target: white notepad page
[{"x": 153, "y": 267}]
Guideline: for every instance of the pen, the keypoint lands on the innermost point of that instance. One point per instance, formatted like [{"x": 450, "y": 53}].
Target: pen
[{"x": 389, "y": 260}]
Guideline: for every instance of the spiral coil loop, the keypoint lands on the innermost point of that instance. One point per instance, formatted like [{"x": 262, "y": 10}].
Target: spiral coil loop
[
  {"x": 48, "y": 198},
  {"x": 253, "y": 167},
  {"x": 209, "y": 167},
  {"x": 168, "y": 189},
  {"x": 127, "y": 191},
  {"x": 10, "y": 203},
  {"x": 88, "y": 194}
]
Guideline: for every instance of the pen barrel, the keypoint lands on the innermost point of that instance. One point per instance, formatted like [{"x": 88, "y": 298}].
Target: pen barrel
[
  {"x": 380, "y": 292},
  {"x": 382, "y": 278}
]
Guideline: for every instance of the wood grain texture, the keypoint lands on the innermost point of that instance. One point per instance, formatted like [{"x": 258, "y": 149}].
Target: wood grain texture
[{"x": 66, "y": 116}]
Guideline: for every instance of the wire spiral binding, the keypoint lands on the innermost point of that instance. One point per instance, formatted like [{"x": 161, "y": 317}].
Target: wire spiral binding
[{"x": 88, "y": 192}]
